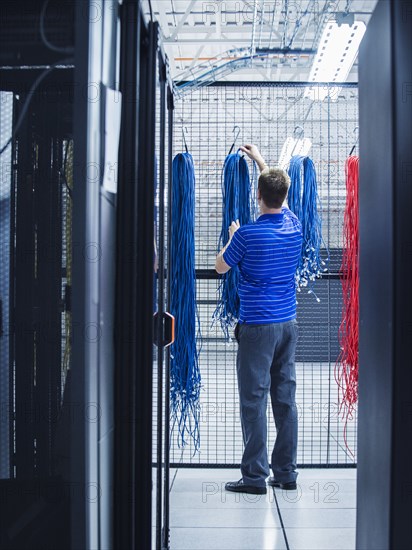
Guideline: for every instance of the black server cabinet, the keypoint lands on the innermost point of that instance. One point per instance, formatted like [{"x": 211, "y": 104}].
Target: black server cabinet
[{"x": 384, "y": 488}]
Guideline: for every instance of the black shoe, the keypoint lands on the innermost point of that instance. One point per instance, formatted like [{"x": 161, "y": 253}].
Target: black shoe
[
  {"x": 240, "y": 487},
  {"x": 289, "y": 486}
]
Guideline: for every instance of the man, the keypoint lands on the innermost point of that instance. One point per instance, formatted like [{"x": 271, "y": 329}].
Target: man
[{"x": 267, "y": 253}]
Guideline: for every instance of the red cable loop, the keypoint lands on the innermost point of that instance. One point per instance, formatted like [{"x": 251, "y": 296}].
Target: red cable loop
[{"x": 347, "y": 365}]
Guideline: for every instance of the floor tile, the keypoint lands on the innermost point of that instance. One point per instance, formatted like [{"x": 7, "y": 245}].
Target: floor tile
[
  {"x": 315, "y": 492},
  {"x": 306, "y": 518},
  {"x": 326, "y": 473},
  {"x": 214, "y": 496},
  {"x": 233, "y": 518},
  {"x": 321, "y": 539},
  {"x": 209, "y": 473},
  {"x": 227, "y": 539},
  {"x": 310, "y": 499},
  {"x": 202, "y": 480}
]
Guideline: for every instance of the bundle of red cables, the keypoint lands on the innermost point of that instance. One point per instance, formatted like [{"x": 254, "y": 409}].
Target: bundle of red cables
[{"x": 346, "y": 368}]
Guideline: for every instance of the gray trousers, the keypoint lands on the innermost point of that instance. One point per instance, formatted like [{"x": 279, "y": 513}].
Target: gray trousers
[{"x": 266, "y": 363}]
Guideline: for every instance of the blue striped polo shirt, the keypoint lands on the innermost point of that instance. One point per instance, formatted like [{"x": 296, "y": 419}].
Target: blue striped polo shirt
[{"x": 267, "y": 253}]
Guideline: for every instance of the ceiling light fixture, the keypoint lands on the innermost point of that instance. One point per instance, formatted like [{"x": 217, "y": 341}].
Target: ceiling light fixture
[{"x": 338, "y": 48}]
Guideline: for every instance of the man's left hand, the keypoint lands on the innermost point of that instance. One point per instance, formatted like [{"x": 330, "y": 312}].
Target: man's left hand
[{"x": 233, "y": 228}]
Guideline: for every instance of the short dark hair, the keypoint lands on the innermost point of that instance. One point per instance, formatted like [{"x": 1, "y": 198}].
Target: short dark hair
[{"x": 273, "y": 185}]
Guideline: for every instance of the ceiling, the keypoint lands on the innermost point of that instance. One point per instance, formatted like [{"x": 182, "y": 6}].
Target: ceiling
[{"x": 218, "y": 39}]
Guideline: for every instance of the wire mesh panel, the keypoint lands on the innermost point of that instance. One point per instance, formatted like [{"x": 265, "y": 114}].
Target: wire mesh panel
[
  {"x": 267, "y": 115},
  {"x": 67, "y": 253},
  {"x": 6, "y": 118}
]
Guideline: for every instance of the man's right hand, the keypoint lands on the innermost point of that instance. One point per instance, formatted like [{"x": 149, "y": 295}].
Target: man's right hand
[{"x": 253, "y": 153}]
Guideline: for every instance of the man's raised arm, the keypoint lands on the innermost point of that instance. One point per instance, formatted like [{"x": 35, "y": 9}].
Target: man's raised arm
[{"x": 253, "y": 153}]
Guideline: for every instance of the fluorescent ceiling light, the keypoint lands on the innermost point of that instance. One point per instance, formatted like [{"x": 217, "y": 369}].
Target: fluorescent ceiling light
[
  {"x": 291, "y": 147},
  {"x": 338, "y": 48}
]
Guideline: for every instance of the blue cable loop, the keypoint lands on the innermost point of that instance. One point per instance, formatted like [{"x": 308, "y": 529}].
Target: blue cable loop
[
  {"x": 185, "y": 379},
  {"x": 303, "y": 201},
  {"x": 237, "y": 195}
]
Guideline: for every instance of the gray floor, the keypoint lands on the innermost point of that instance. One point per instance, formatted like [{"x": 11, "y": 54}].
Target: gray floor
[{"x": 319, "y": 515}]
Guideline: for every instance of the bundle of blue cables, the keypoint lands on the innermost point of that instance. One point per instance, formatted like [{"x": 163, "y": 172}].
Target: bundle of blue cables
[
  {"x": 303, "y": 200},
  {"x": 185, "y": 379},
  {"x": 236, "y": 192}
]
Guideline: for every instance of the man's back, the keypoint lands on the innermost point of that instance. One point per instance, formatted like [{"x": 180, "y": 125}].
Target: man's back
[{"x": 267, "y": 253}]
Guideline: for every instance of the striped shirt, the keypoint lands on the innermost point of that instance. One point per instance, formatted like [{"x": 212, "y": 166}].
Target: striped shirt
[{"x": 267, "y": 253}]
